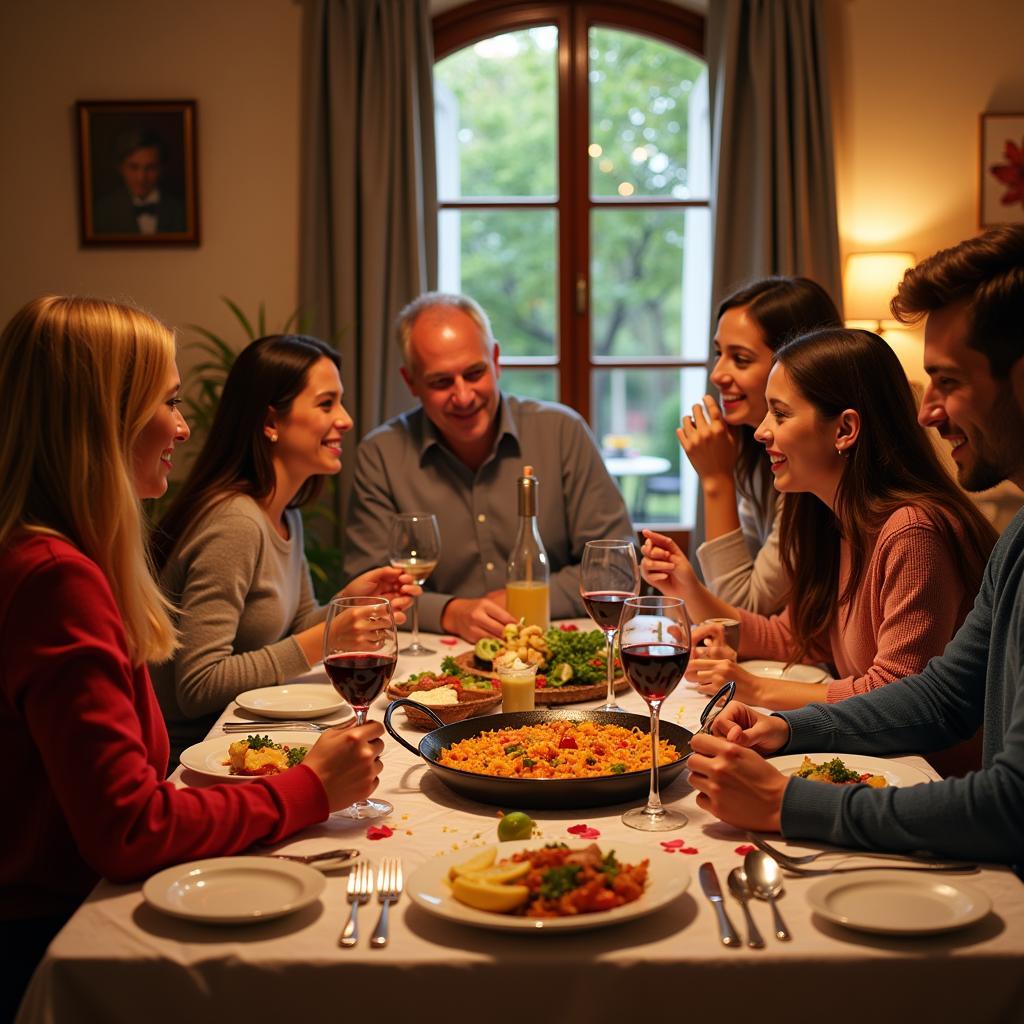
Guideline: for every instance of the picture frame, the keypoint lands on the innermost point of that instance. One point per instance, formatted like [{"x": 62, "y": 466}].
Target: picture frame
[
  {"x": 138, "y": 182},
  {"x": 1001, "y": 191}
]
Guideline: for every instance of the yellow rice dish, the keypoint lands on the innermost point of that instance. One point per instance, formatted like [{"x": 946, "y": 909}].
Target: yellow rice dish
[{"x": 557, "y": 750}]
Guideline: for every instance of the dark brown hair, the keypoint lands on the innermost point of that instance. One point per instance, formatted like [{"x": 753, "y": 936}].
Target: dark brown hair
[
  {"x": 891, "y": 464},
  {"x": 782, "y": 308},
  {"x": 987, "y": 273},
  {"x": 235, "y": 459}
]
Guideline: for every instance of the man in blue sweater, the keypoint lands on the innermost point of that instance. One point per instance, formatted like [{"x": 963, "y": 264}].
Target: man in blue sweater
[{"x": 973, "y": 297}]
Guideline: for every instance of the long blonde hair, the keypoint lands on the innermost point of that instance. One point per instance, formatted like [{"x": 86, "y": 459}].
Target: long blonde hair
[{"x": 79, "y": 380}]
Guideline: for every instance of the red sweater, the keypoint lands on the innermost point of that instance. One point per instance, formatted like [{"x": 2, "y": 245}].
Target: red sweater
[{"x": 85, "y": 749}]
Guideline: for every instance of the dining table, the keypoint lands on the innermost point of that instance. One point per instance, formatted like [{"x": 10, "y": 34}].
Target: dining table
[{"x": 120, "y": 959}]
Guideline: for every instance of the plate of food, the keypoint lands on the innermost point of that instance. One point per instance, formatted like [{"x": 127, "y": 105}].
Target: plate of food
[
  {"x": 526, "y": 886},
  {"x": 295, "y": 700},
  {"x": 791, "y": 673},
  {"x": 898, "y": 902},
  {"x": 571, "y": 662},
  {"x": 234, "y": 890},
  {"x": 451, "y": 698},
  {"x": 550, "y": 758},
  {"x": 849, "y": 769},
  {"x": 236, "y": 758}
]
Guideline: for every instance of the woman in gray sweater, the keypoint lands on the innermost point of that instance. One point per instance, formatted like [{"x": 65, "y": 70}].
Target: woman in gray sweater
[{"x": 229, "y": 550}]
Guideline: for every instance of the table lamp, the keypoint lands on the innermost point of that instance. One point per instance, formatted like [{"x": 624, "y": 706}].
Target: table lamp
[{"x": 869, "y": 283}]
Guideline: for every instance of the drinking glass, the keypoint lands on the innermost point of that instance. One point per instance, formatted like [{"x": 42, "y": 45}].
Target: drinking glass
[
  {"x": 360, "y": 654},
  {"x": 415, "y": 547},
  {"x": 654, "y": 642},
  {"x": 608, "y": 576}
]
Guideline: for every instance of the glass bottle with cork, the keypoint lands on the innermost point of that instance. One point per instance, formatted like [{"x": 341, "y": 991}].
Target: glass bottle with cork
[{"x": 527, "y": 594}]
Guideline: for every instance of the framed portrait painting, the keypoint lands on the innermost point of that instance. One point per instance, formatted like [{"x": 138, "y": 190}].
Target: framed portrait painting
[
  {"x": 137, "y": 172},
  {"x": 1002, "y": 170}
]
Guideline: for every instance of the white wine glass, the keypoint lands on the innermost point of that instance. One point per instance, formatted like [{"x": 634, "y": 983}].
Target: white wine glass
[
  {"x": 609, "y": 574},
  {"x": 654, "y": 642},
  {"x": 360, "y": 654},
  {"x": 415, "y": 547}
]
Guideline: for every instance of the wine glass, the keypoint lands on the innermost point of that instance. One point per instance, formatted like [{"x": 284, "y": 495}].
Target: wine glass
[
  {"x": 415, "y": 547},
  {"x": 654, "y": 641},
  {"x": 360, "y": 654},
  {"x": 609, "y": 574}
]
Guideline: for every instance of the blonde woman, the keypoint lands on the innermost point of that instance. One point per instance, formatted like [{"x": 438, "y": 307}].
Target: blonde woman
[{"x": 93, "y": 388}]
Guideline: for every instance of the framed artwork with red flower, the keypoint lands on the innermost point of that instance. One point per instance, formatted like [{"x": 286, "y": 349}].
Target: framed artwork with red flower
[{"x": 1001, "y": 199}]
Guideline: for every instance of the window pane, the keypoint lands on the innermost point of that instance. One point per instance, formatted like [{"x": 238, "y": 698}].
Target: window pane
[
  {"x": 496, "y": 117},
  {"x": 636, "y": 415},
  {"x": 527, "y": 382},
  {"x": 650, "y": 282},
  {"x": 649, "y": 124},
  {"x": 506, "y": 260}
]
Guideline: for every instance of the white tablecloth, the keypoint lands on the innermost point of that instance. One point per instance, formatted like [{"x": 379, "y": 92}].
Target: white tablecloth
[{"x": 120, "y": 960}]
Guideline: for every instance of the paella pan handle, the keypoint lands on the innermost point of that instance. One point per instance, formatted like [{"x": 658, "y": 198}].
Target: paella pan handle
[{"x": 395, "y": 735}]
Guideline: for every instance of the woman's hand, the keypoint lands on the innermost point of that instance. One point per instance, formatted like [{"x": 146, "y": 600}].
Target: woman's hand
[
  {"x": 710, "y": 443},
  {"x": 746, "y": 727},
  {"x": 712, "y": 673},
  {"x": 347, "y": 761},
  {"x": 665, "y": 566},
  {"x": 736, "y": 784},
  {"x": 397, "y": 586}
]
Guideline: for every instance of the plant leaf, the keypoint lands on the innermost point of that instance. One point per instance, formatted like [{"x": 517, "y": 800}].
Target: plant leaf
[{"x": 240, "y": 316}]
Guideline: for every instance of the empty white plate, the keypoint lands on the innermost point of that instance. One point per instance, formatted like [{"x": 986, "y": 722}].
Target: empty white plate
[
  {"x": 898, "y": 902},
  {"x": 293, "y": 701},
  {"x": 780, "y": 670},
  {"x": 234, "y": 890}
]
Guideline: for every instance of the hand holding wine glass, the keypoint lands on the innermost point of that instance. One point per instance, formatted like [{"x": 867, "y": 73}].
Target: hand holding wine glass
[
  {"x": 608, "y": 576},
  {"x": 415, "y": 547},
  {"x": 360, "y": 654},
  {"x": 654, "y": 641}
]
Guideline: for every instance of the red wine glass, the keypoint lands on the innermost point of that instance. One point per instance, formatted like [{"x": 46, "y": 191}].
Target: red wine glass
[
  {"x": 360, "y": 653},
  {"x": 608, "y": 575},
  {"x": 654, "y": 642}
]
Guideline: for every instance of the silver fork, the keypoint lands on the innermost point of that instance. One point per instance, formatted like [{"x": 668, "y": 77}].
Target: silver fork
[
  {"x": 389, "y": 888},
  {"x": 798, "y": 863},
  {"x": 257, "y": 727},
  {"x": 360, "y": 888}
]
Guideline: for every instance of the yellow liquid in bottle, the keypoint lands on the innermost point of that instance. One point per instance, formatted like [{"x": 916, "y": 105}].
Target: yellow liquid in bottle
[
  {"x": 518, "y": 692},
  {"x": 530, "y": 602}
]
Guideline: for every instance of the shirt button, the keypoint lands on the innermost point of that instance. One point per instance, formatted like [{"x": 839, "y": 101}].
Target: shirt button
[
  {"x": 490, "y": 567},
  {"x": 481, "y": 518}
]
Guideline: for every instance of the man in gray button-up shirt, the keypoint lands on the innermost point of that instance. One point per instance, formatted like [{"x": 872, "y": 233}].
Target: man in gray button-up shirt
[{"x": 459, "y": 456}]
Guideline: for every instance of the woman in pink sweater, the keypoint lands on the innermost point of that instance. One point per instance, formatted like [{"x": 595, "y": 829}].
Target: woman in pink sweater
[{"x": 884, "y": 551}]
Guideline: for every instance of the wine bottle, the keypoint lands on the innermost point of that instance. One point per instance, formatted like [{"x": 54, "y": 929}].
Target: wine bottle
[{"x": 526, "y": 583}]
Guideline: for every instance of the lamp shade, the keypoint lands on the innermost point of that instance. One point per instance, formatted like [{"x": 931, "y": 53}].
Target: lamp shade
[{"x": 870, "y": 281}]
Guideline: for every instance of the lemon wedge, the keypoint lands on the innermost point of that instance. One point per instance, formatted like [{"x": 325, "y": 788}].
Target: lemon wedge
[
  {"x": 501, "y": 874},
  {"x": 481, "y": 862},
  {"x": 484, "y": 895}
]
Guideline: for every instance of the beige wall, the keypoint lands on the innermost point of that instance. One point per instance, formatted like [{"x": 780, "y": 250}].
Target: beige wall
[{"x": 239, "y": 59}]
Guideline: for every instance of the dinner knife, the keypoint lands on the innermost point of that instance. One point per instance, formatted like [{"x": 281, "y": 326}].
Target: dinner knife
[{"x": 710, "y": 887}]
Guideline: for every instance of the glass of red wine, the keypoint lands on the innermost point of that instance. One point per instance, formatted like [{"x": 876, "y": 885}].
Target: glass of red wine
[
  {"x": 360, "y": 653},
  {"x": 654, "y": 642},
  {"x": 608, "y": 575}
]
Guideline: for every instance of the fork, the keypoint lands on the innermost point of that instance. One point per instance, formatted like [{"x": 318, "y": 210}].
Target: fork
[
  {"x": 389, "y": 888},
  {"x": 258, "y": 727},
  {"x": 360, "y": 887},
  {"x": 798, "y": 863}
]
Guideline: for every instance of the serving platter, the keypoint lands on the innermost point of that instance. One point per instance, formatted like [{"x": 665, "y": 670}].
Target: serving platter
[
  {"x": 528, "y": 794},
  {"x": 470, "y": 704},
  {"x": 427, "y": 887},
  {"x": 895, "y": 773},
  {"x": 207, "y": 758}
]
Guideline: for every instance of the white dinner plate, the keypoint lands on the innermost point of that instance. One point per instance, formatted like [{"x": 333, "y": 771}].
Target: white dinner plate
[
  {"x": 294, "y": 700},
  {"x": 667, "y": 878},
  {"x": 234, "y": 890},
  {"x": 894, "y": 772},
  {"x": 897, "y": 902},
  {"x": 780, "y": 670},
  {"x": 207, "y": 758}
]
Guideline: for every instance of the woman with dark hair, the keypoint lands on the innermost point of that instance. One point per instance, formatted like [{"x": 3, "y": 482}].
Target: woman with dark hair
[
  {"x": 229, "y": 550},
  {"x": 884, "y": 551},
  {"x": 740, "y": 556}
]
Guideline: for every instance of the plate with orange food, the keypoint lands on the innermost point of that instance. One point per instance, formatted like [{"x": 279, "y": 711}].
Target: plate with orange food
[
  {"x": 850, "y": 769},
  {"x": 236, "y": 758},
  {"x": 538, "y": 888}
]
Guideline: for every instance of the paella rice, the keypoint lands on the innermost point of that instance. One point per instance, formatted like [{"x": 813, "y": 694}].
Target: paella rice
[{"x": 561, "y": 749}]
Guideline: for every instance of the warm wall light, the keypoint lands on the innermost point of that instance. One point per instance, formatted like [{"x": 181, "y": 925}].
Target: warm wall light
[{"x": 869, "y": 283}]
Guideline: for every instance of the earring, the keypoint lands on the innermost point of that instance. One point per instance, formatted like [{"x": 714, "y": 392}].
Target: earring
[
  {"x": 273, "y": 438},
  {"x": 844, "y": 452}
]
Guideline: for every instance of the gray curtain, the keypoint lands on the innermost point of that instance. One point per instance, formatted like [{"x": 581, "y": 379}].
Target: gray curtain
[
  {"x": 772, "y": 171},
  {"x": 369, "y": 202}
]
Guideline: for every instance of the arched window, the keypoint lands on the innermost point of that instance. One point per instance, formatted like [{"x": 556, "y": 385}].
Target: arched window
[{"x": 573, "y": 177}]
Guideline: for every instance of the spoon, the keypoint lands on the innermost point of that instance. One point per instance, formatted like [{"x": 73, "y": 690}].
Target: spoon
[
  {"x": 739, "y": 887},
  {"x": 765, "y": 878}
]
